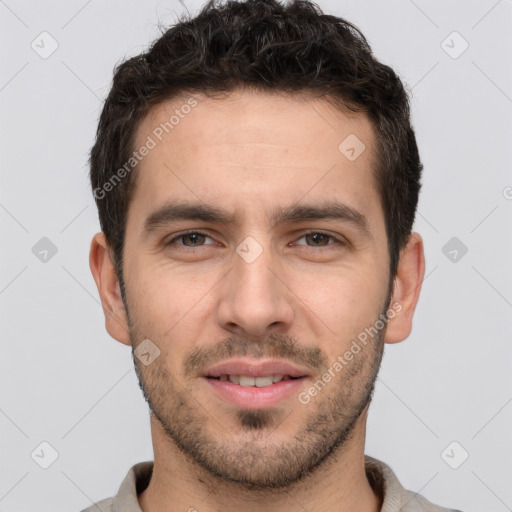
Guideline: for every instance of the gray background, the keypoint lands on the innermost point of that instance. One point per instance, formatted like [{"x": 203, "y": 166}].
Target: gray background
[{"x": 66, "y": 382}]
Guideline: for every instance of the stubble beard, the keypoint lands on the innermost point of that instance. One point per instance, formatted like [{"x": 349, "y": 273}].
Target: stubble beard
[{"x": 250, "y": 454}]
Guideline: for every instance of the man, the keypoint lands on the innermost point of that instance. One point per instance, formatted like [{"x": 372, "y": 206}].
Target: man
[{"x": 257, "y": 178}]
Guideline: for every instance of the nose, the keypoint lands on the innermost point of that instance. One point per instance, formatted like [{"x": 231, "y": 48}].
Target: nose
[{"x": 255, "y": 298}]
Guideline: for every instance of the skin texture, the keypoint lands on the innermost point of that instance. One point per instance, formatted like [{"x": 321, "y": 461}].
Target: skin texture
[{"x": 304, "y": 299}]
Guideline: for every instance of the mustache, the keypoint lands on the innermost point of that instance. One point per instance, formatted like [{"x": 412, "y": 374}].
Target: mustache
[{"x": 273, "y": 346}]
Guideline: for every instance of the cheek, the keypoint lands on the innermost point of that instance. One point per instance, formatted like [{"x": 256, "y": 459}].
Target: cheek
[
  {"x": 169, "y": 304},
  {"x": 154, "y": 303},
  {"x": 161, "y": 286},
  {"x": 345, "y": 300}
]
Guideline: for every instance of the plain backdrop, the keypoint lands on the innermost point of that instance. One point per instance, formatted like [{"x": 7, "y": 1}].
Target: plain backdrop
[{"x": 444, "y": 394}]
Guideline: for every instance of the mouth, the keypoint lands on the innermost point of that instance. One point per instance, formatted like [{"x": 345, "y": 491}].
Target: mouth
[
  {"x": 255, "y": 384},
  {"x": 250, "y": 368},
  {"x": 250, "y": 381},
  {"x": 255, "y": 393}
]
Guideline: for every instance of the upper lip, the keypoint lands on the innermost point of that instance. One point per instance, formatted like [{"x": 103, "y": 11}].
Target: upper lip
[{"x": 255, "y": 369}]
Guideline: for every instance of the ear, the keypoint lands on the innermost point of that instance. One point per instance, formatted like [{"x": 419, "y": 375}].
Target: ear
[
  {"x": 406, "y": 290},
  {"x": 107, "y": 283}
]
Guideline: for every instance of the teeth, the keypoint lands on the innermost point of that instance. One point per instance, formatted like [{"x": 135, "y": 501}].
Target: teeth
[
  {"x": 259, "y": 382},
  {"x": 246, "y": 381}
]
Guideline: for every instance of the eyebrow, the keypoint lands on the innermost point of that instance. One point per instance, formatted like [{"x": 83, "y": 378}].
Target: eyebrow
[{"x": 331, "y": 210}]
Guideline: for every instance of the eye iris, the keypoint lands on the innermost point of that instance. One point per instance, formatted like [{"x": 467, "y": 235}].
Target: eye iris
[
  {"x": 193, "y": 236},
  {"x": 316, "y": 235}
]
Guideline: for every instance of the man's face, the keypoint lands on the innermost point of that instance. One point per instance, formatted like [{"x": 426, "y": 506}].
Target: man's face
[{"x": 256, "y": 290}]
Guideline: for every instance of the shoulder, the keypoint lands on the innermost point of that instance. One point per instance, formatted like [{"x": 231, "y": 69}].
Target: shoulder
[
  {"x": 135, "y": 481},
  {"x": 414, "y": 502},
  {"x": 395, "y": 498},
  {"x": 101, "y": 506}
]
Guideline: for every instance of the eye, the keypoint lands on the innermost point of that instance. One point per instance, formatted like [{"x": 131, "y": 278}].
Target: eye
[
  {"x": 195, "y": 237},
  {"x": 320, "y": 239}
]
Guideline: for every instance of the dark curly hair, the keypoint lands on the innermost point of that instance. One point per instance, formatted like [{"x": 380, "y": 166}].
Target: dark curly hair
[{"x": 266, "y": 46}]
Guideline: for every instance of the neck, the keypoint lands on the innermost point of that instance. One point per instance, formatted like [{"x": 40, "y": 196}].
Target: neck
[{"x": 338, "y": 485}]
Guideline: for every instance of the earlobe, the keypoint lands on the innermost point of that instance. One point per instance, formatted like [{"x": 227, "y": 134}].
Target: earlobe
[
  {"x": 107, "y": 283},
  {"x": 407, "y": 287}
]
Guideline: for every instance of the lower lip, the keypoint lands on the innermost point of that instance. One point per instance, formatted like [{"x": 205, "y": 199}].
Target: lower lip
[{"x": 253, "y": 397}]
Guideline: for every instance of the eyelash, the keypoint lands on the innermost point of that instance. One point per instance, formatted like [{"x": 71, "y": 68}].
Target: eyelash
[{"x": 198, "y": 232}]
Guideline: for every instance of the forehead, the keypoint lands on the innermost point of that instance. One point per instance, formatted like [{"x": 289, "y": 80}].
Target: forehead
[{"x": 253, "y": 150}]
